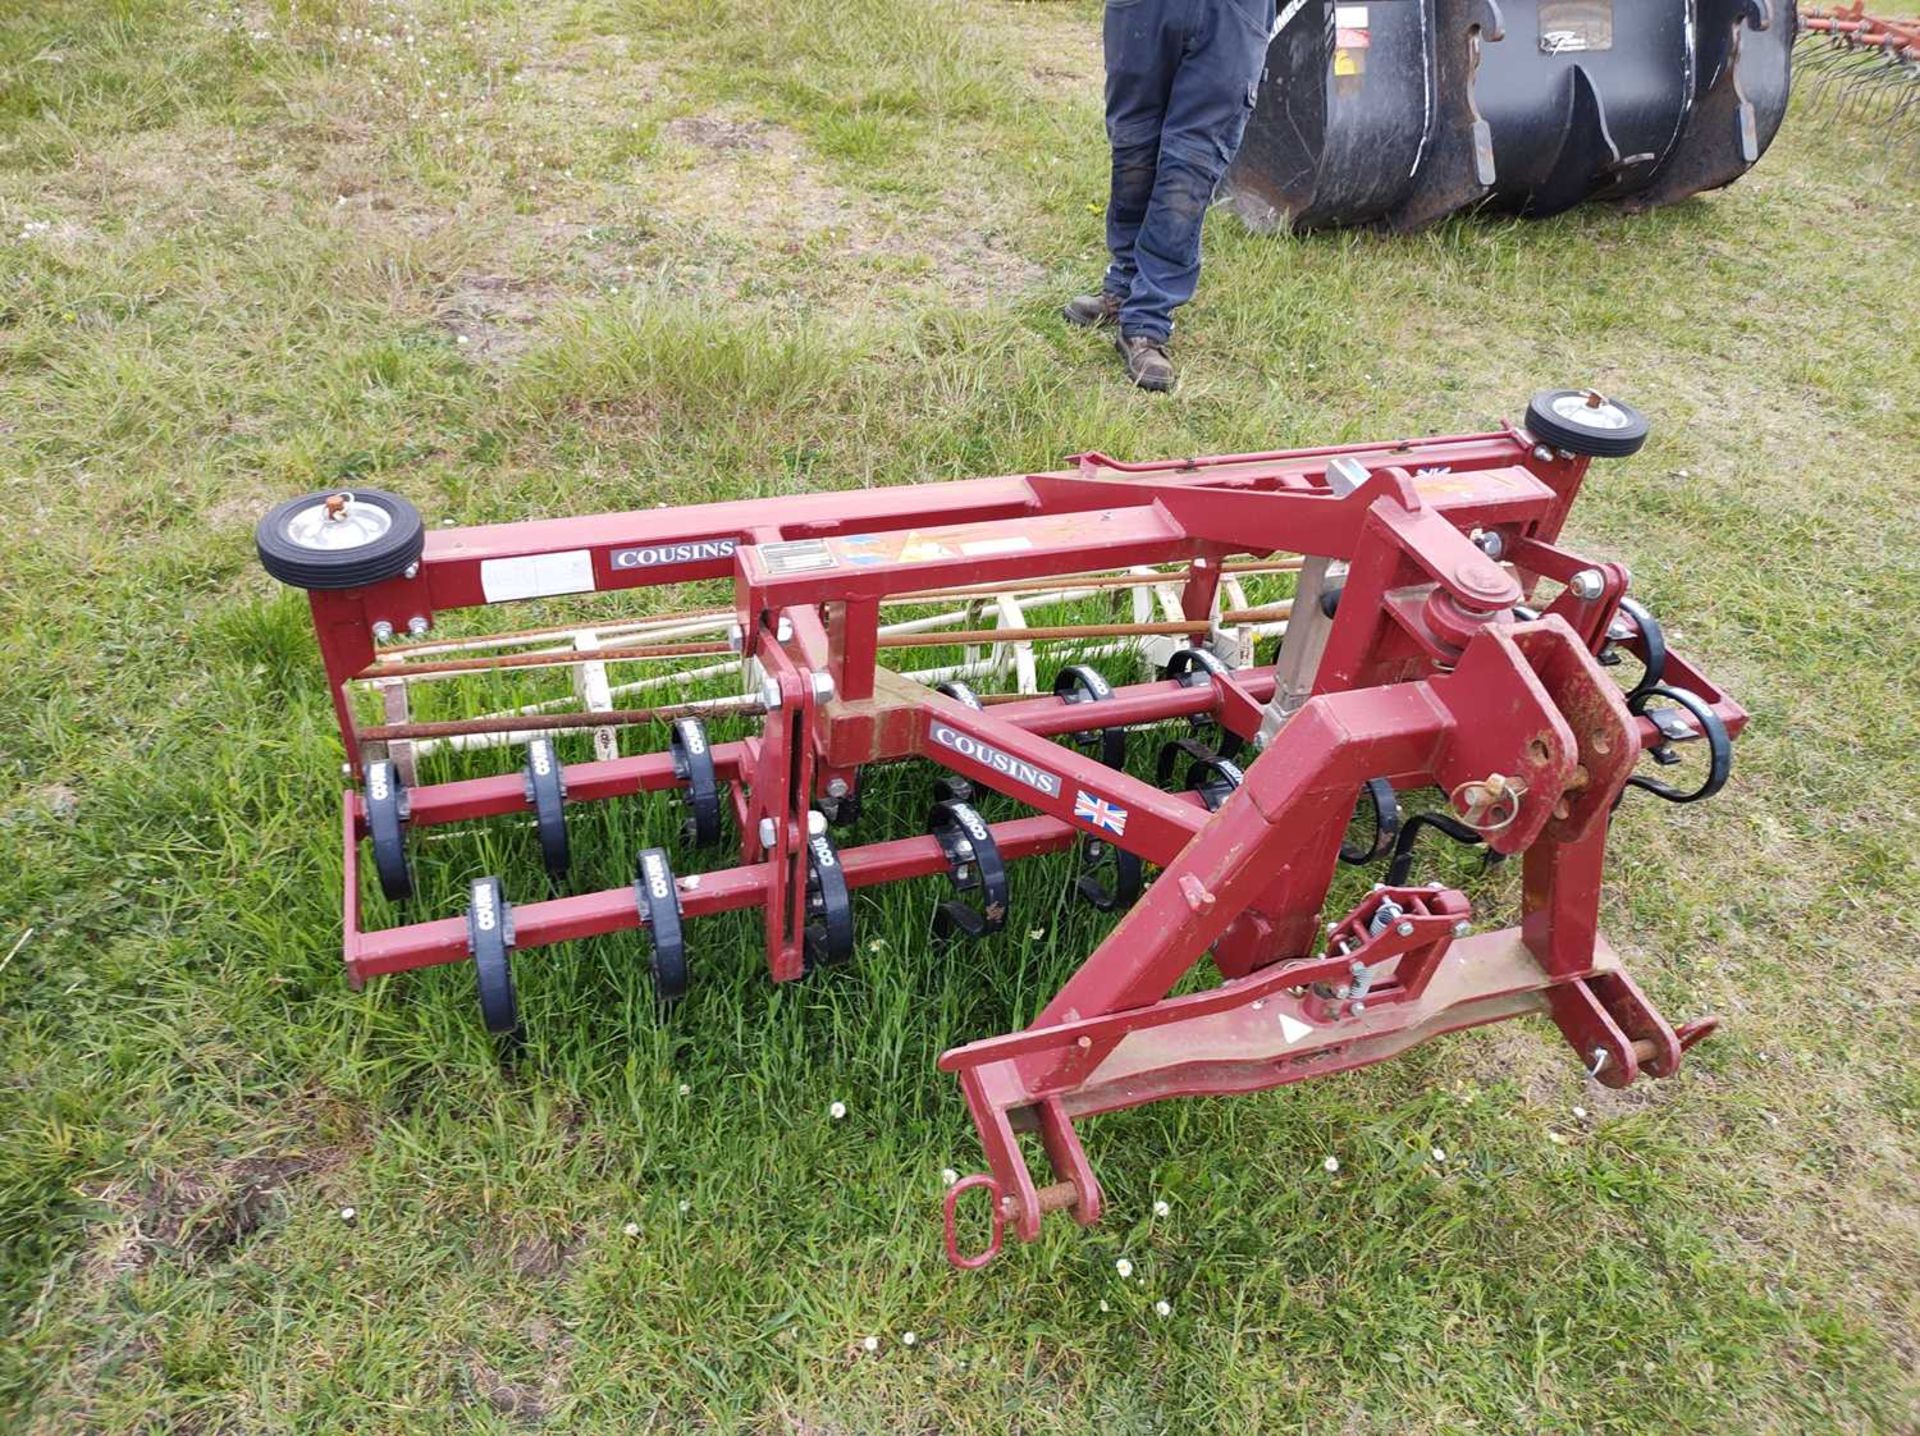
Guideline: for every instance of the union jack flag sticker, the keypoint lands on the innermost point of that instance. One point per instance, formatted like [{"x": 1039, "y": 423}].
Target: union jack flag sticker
[{"x": 1098, "y": 811}]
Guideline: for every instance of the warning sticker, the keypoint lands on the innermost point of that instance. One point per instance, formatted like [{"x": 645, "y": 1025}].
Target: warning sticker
[
  {"x": 1444, "y": 485},
  {"x": 923, "y": 550},
  {"x": 1292, "y": 1028},
  {"x": 1351, "y": 40},
  {"x": 796, "y": 556}
]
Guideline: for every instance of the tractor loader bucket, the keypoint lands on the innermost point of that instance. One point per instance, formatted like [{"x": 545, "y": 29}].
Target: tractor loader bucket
[{"x": 1400, "y": 113}]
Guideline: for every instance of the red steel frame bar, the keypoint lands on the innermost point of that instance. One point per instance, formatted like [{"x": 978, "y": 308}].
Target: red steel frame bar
[{"x": 1427, "y": 677}]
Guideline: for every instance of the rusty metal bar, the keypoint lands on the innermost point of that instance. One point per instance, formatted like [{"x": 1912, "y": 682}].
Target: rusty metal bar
[{"x": 549, "y": 722}]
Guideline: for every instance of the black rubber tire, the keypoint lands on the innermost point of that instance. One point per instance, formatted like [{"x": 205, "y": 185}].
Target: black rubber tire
[
  {"x": 659, "y": 899},
  {"x": 547, "y": 795},
  {"x": 1574, "y": 438},
  {"x": 490, "y": 935},
  {"x": 386, "y": 557},
  {"x": 385, "y": 797}
]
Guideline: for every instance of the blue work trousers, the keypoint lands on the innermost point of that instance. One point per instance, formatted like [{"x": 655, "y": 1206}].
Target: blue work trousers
[{"x": 1182, "y": 76}]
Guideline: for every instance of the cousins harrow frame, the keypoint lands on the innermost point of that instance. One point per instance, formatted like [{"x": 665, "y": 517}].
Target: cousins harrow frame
[{"x": 1439, "y": 638}]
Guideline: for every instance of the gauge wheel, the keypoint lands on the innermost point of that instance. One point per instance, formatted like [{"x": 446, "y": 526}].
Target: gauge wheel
[
  {"x": 340, "y": 539},
  {"x": 1582, "y": 421}
]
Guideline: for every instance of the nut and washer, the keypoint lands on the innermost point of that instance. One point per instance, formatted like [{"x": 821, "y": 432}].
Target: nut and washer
[
  {"x": 1587, "y": 585},
  {"x": 767, "y": 833},
  {"x": 823, "y": 689},
  {"x": 382, "y": 632},
  {"x": 769, "y": 695}
]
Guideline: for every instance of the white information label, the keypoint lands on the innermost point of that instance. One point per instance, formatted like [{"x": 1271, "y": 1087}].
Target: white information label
[
  {"x": 538, "y": 575},
  {"x": 1350, "y": 17},
  {"x": 976, "y": 547}
]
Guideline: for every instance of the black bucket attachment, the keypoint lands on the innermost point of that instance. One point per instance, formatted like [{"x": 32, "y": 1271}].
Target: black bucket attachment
[{"x": 1398, "y": 112}]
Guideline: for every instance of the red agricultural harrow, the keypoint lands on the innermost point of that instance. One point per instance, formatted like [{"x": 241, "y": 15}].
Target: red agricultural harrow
[{"x": 1438, "y": 638}]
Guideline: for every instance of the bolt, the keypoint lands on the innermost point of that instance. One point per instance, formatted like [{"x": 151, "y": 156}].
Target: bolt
[
  {"x": 769, "y": 695},
  {"x": 766, "y": 832},
  {"x": 783, "y": 630},
  {"x": 1358, "y": 1008},
  {"x": 1357, "y": 968},
  {"x": 1405, "y": 929},
  {"x": 1199, "y": 563},
  {"x": 1462, "y": 928},
  {"x": 417, "y": 626},
  {"x": 1491, "y": 544},
  {"x": 1587, "y": 585},
  {"x": 383, "y": 632},
  {"x": 1542, "y": 454},
  {"x": 736, "y": 637},
  {"x": 816, "y": 822},
  {"x": 412, "y": 570},
  {"x": 823, "y": 689},
  {"x": 838, "y": 787}
]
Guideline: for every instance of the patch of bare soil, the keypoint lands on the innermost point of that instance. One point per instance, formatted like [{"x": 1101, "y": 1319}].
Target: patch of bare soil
[
  {"x": 749, "y": 195},
  {"x": 197, "y": 1216},
  {"x": 527, "y": 1402},
  {"x": 1061, "y": 44},
  {"x": 497, "y": 315}
]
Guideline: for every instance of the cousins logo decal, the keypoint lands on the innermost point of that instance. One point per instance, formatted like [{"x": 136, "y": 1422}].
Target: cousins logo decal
[
  {"x": 988, "y": 756},
  {"x": 661, "y": 554}
]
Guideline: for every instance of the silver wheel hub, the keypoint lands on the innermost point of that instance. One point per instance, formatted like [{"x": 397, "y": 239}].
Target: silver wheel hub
[
  {"x": 1583, "y": 410},
  {"x": 337, "y": 522}
]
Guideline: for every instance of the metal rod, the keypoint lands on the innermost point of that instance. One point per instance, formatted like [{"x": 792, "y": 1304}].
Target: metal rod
[
  {"x": 547, "y": 722},
  {"x": 719, "y": 616},
  {"x": 1032, "y": 635},
  {"x": 1272, "y": 612},
  {"x": 543, "y": 660}
]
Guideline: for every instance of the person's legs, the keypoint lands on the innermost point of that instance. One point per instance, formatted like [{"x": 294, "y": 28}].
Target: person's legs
[
  {"x": 1143, "y": 45},
  {"x": 1204, "y": 120}
]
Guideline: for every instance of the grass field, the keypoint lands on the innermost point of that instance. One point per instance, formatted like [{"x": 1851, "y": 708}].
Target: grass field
[{"x": 521, "y": 259}]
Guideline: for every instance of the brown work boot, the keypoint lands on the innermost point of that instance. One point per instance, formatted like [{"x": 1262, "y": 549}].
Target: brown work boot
[
  {"x": 1093, "y": 311},
  {"x": 1147, "y": 362}
]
